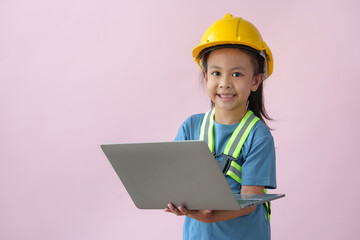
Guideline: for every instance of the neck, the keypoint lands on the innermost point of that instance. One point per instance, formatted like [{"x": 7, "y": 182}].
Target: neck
[{"x": 229, "y": 117}]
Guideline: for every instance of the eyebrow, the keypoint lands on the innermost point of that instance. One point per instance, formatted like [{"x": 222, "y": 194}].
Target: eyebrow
[{"x": 234, "y": 68}]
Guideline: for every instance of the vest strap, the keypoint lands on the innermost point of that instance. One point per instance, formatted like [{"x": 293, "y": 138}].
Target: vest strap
[
  {"x": 233, "y": 148},
  {"x": 267, "y": 206},
  {"x": 225, "y": 162},
  {"x": 207, "y": 129},
  {"x": 234, "y": 171},
  {"x": 237, "y": 139}
]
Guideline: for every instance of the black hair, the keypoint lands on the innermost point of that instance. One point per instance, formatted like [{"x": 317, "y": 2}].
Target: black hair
[{"x": 256, "y": 99}]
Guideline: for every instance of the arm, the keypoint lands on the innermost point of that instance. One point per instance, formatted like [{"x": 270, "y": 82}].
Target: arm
[{"x": 208, "y": 216}]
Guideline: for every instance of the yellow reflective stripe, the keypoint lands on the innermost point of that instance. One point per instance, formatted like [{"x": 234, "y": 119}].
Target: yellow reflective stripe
[
  {"x": 236, "y": 132},
  {"x": 268, "y": 210},
  {"x": 234, "y": 168},
  {"x": 267, "y": 206},
  {"x": 211, "y": 131},
  {"x": 235, "y": 165},
  {"x": 246, "y": 134},
  {"x": 202, "y": 128},
  {"x": 234, "y": 176},
  {"x": 206, "y": 129}
]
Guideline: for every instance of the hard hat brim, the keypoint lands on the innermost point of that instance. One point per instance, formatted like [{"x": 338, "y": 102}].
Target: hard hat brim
[{"x": 199, "y": 52}]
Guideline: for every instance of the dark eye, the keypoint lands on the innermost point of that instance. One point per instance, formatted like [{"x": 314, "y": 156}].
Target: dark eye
[
  {"x": 215, "y": 73},
  {"x": 236, "y": 74}
]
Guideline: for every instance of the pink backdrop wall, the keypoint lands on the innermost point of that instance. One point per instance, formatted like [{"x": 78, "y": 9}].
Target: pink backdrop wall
[{"x": 75, "y": 74}]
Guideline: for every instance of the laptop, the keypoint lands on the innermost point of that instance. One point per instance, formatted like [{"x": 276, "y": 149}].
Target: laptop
[{"x": 183, "y": 173}]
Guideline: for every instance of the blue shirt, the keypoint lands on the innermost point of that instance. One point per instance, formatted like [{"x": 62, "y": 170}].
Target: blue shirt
[{"x": 257, "y": 158}]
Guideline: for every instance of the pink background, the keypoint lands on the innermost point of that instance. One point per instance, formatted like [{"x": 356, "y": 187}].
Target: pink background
[{"x": 76, "y": 74}]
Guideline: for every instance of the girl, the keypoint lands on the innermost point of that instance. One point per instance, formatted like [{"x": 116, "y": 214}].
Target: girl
[{"x": 234, "y": 61}]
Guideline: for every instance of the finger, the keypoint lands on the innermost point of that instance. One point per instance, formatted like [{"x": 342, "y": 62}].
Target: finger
[
  {"x": 183, "y": 210},
  {"x": 174, "y": 209},
  {"x": 171, "y": 207}
]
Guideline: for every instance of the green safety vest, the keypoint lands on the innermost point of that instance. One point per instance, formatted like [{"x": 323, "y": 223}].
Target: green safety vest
[{"x": 233, "y": 147}]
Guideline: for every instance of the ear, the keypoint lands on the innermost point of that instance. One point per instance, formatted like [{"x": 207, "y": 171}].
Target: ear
[
  {"x": 205, "y": 76},
  {"x": 257, "y": 80}
]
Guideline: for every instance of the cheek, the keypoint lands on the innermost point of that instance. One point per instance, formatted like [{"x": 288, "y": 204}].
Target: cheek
[
  {"x": 210, "y": 88},
  {"x": 208, "y": 84},
  {"x": 244, "y": 89},
  {"x": 246, "y": 85}
]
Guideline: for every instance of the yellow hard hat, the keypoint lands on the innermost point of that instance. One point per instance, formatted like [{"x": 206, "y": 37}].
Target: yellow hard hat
[{"x": 231, "y": 31}]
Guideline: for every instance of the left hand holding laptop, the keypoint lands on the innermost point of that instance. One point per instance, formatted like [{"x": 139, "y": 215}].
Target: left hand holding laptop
[{"x": 200, "y": 215}]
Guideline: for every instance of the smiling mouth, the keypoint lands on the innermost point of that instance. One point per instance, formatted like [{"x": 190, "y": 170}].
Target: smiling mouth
[{"x": 226, "y": 96}]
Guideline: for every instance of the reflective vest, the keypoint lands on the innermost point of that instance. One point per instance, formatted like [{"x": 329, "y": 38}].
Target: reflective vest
[{"x": 233, "y": 147}]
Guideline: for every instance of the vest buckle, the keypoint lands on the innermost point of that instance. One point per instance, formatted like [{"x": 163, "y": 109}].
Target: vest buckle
[{"x": 225, "y": 163}]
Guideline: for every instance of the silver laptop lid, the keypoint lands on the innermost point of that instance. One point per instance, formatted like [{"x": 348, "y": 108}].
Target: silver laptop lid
[{"x": 182, "y": 173}]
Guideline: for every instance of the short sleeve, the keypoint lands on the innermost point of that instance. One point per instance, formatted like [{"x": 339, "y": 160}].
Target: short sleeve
[
  {"x": 190, "y": 129},
  {"x": 259, "y": 164},
  {"x": 181, "y": 135}
]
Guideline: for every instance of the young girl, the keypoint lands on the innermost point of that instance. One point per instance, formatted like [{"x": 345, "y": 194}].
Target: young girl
[{"x": 235, "y": 61}]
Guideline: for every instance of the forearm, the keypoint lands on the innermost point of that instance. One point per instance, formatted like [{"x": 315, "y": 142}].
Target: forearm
[
  {"x": 208, "y": 216},
  {"x": 223, "y": 215}
]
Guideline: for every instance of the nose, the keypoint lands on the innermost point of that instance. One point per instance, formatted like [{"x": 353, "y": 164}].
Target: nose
[{"x": 225, "y": 82}]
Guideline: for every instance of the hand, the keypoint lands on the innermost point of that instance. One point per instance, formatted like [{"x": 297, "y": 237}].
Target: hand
[
  {"x": 172, "y": 209},
  {"x": 200, "y": 215}
]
